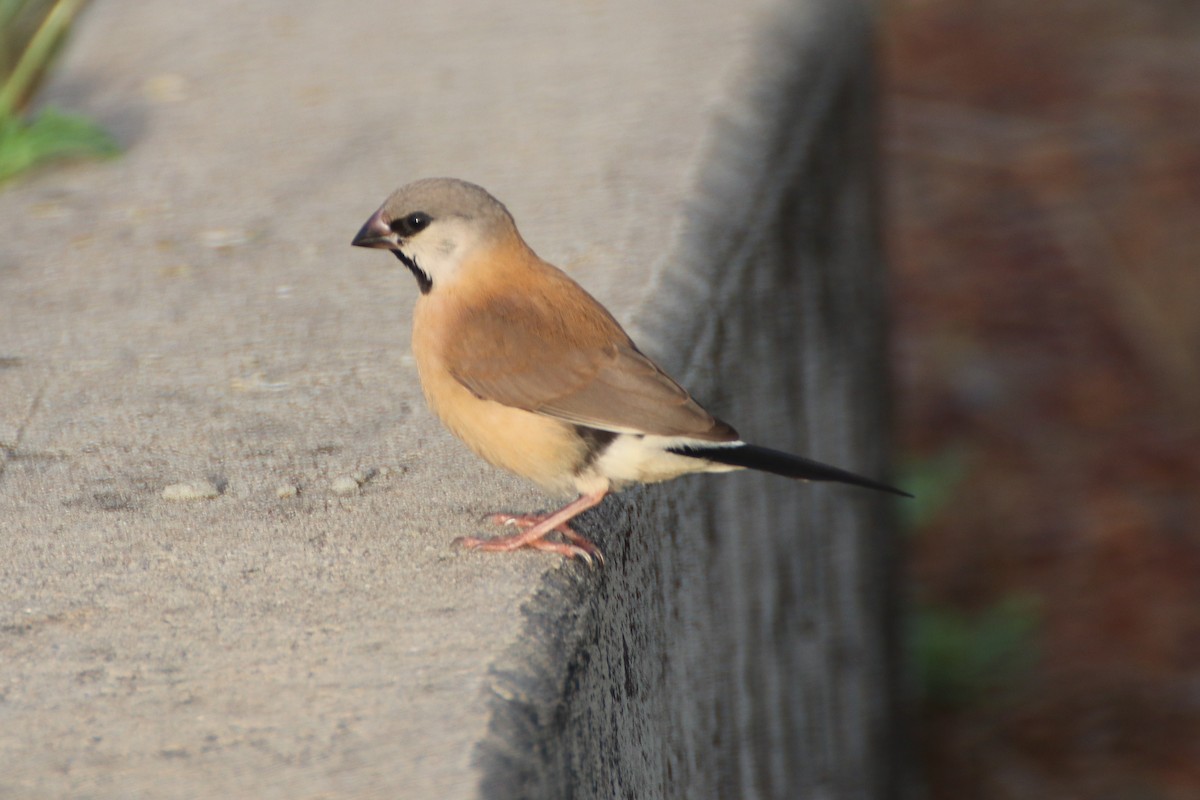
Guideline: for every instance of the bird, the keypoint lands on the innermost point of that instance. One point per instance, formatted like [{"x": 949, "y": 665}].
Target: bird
[{"x": 538, "y": 378}]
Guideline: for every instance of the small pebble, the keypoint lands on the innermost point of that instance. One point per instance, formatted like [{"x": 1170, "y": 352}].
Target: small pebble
[
  {"x": 196, "y": 490},
  {"x": 166, "y": 88},
  {"x": 223, "y": 237},
  {"x": 344, "y": 484}
]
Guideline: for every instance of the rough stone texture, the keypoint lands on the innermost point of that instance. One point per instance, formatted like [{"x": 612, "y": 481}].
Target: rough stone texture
[
  {"x": 745, "y": 650},
  {"x": 191, "y": 314}
]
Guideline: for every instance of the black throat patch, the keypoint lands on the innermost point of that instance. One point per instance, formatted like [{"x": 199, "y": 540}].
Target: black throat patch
[{"x": 424, "y": 282}]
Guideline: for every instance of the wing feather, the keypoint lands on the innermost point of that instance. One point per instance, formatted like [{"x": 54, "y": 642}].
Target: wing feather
[{"x": 561, "y": 354}]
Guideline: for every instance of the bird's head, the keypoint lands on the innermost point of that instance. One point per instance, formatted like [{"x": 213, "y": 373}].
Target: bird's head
[{"x": 435, "y": 225}]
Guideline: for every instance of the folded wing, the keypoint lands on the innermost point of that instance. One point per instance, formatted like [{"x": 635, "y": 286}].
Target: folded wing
[{"x": 598, "y": 379}]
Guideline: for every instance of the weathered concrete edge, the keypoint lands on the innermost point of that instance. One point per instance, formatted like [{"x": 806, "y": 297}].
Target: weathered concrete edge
[{"x": 763, "y": 136}]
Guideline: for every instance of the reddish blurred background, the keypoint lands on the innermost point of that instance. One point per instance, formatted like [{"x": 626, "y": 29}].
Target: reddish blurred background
[{"x": 1043, "y": 195}]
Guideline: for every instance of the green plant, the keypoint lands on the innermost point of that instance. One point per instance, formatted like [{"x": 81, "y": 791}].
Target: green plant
[
  {"x": 932, "y": 481},
  {"x": 961, "y": 660},
  {"x": 52, "y": 134}
]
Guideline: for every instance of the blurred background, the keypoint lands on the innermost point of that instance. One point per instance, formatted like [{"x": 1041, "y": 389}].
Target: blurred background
[
  {"x": 1042, "y": 197},
  {"x": 1043, "y": 220}
]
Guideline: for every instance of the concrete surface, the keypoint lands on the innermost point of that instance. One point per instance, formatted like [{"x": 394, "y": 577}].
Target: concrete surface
[{"x": 192, "y": 314}]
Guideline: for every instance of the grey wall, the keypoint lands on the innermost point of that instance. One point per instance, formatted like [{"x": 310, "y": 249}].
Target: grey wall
[{"x": 739, "y": 644}]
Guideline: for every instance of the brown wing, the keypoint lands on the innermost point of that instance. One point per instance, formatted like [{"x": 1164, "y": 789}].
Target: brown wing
[{"x": 560, "y": 353}]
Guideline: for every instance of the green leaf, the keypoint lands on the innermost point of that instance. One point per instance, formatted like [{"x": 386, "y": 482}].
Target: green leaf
[
  {"x": 933, "y": 480},
  {"x": 961, "y": 660},
  {"x": 52, "y": 135}
]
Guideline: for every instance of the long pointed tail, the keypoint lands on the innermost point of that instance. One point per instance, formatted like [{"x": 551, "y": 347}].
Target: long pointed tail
[{"x": 777, "y": 462}]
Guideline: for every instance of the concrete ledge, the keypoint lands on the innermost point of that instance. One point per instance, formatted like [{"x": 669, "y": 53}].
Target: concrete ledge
[{"x": 192, "y": 313}]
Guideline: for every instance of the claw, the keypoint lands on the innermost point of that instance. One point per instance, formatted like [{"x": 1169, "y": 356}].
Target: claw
[
  {"x": 514, "y": 520},
  {"x": 507, "y": 543}
]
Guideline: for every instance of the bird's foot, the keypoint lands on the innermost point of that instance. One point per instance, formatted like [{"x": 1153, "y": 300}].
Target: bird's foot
[
  {"x": 527, "y": 521},
  {"x": 590, "y": 555},
  {"x": 574, "y": 546},
  {"x": 521, "y": 521}
]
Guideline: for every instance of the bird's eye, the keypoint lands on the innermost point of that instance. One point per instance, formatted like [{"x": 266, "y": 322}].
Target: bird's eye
[{"x": 414, "y": 222}]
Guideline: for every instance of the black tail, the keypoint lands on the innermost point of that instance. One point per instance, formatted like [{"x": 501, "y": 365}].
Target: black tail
[{"x": 777, "y": 462}]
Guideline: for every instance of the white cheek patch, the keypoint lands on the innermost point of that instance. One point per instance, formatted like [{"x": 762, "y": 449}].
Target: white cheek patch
[{"x": 442, "y": 247}]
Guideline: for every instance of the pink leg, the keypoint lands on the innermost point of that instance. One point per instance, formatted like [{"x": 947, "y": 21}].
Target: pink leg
[
  {"x": 526, "y": 521},
  {"x": 536, "y": 528}
]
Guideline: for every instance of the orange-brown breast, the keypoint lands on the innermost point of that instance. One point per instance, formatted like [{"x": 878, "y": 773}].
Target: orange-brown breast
[{"x": 540, "y": 448}]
